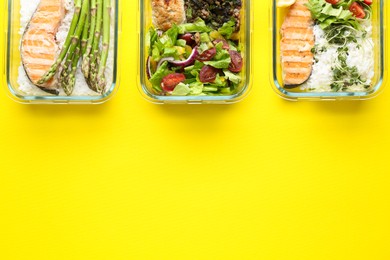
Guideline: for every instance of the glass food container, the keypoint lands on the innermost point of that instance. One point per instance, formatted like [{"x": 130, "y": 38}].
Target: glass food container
[
  {"x": 245, "y": 38},
  {"x": 297, "y": 93},
  {"x": 15, "y": 80}
]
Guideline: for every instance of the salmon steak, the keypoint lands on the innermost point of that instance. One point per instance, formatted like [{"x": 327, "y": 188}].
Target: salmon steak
[
  {"x": 39, "y": 49},
  {"x": 296, "y": 44}
]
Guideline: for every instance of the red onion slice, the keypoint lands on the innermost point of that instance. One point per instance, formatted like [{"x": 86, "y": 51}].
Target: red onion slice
[
  {"x": 148, "y": 68},
  {"x": 187, "y": 62},
  {"x": 181, "y": 63},
  {"x": 169, "y": 59}
]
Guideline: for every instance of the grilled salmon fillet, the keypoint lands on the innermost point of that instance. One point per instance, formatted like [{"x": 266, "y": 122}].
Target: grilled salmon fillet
[
  {"x": 165, "y": 13},
  {"x": 39, "y": 47},
  {"x": 296, "y": 44}
]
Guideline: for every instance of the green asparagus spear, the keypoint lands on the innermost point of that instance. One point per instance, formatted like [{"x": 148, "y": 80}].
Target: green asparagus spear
[
  {"x": 84, "y": 38},
  {"x": 86, "y": 59},
  {"x": 75, "y": 39},
  {"x": 64, "y": 71},
  {"x": 95, "y": 54},
  {"x": 73, "y": 53},
  {"x": 75, "y": 43},
  {"x": 101, "y": 80},
  {"x": 48, "y": 75},
  {"x": 71, "y": 78}
]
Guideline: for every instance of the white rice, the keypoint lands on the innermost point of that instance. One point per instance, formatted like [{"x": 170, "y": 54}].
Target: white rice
[
  {"x": 362, "y": 57},
  {"x": 27, "y": 9}
]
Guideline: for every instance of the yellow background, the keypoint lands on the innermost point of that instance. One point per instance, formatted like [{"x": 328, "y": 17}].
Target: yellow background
[{"x": 261, "y": 179}]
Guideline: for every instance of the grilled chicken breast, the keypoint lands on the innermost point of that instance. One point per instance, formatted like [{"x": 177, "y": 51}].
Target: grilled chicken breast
[
  {"x": 296, "y": 44},
  {"x": 165, "y": 13},
  {"x": 39, "y": 47}
]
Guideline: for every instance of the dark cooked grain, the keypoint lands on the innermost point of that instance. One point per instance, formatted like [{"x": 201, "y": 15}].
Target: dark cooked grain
[{"x": 214, "y": 12}]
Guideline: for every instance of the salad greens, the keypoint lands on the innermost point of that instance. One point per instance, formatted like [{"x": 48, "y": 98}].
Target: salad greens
[
  {"x": 327, "y": 14},
  {"x": 194, "y": 59},
  {"x": 228, "y": 29},
  {"x": 161, "y": 72},
  {"x": 197, "y": 26}
]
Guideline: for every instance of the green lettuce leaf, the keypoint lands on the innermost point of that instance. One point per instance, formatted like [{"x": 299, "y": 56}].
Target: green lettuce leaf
[
  {"x": 172, "y": 34},
  {"x": 327, "y": 14},
  {"x": 197, "y": 26},
  {"x": 181, "y": 90},
  {"x": 161, "y": 72},
  {"x": 156, "y": 53},
  {"x": 227, "y": 29},
  {"x": 235, "y": 78},
  {"x": 220, "y": 64},
  {"x": 196, "y": 88},
  {"x": 152, "y": 37},
  {"x": 219, "y": 82},
  {"x": 169, "y": 52}
]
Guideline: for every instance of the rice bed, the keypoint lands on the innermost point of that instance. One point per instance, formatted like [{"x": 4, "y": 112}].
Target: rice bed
[{"x": 360, "y": 54}]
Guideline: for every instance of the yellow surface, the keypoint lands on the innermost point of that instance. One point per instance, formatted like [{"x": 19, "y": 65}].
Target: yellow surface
[{"x": 262, "y": 179}]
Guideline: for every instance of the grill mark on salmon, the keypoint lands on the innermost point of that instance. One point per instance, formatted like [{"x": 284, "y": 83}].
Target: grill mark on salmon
[
  {"x": 297, "y": 67},
  {"x": 39, "y": 47},
  {"x": 294, "y": 33},
  {"x": 296, "y": 45},
  {"x": 297, "y": 21},
  {"x": 290, "y": 45}
]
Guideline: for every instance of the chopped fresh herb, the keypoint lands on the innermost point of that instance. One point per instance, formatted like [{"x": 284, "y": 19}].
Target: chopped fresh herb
[{"x": 345, "y": 76}]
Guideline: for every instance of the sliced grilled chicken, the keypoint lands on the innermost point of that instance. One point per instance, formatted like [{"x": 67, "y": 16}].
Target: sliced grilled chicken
[
  {"x": 39, "y": 47},
  {"x": 165, "y": 13},
  {"x": 296, "y": 45}
]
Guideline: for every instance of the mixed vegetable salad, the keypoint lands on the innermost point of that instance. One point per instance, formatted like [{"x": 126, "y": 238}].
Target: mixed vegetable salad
[{"x": 194, "y": 59}]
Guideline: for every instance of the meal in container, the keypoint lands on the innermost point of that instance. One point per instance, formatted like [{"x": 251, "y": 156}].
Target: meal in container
[
  {"x": 194, "y": 47},
  {"x": 65, "y": 47},
  {"x": 327, "y": 45}
]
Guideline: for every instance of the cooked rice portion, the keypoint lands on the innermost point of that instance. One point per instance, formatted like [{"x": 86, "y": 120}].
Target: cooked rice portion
[{"x": 360, "y": 55}]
